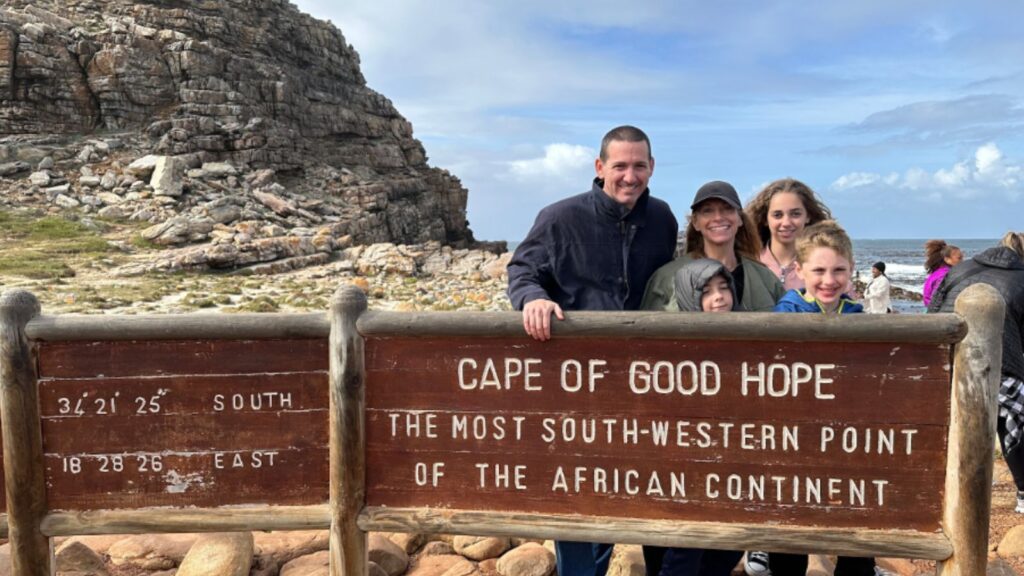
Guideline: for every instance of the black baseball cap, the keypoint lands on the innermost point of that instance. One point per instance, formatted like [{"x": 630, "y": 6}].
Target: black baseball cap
[{"x": 720, "y": 190}]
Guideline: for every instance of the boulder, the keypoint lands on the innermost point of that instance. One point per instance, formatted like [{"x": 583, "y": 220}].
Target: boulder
[
  {"x": 451, "y": 565},
  {"x": 627, "y": 560},
  {"x": 166, "y": 179},
  {"x": 11, "y": 168},
  {"x": 481, "y": 547},
  {"x": 388, "y": 555},
  {"x": 408, "y": 542},
  {"x": 74, "y": 558},
  {"x": 1012, "y": 543},
  {"x": 317, "y": 564},
  {"x": 151, "y": 551},
  {"x": 40, "y": 178},
  {"x": 66, "y": 201},
  {"x": 225, "y": 554},
  {"x": 143, "y": 167},
  {"x": 996, "y": 567},
  {"x": 278, "y": 548},
  {"x": 219, "y": 169},
  {"x": 108, "y": 180},
  {"x": 437, "y": 547},
  {"x": 530, "y": 559},
  {"x": 179, "y": 230}
]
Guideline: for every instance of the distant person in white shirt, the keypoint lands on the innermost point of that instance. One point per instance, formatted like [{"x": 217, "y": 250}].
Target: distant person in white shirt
[{"x": 876, "y": 295}]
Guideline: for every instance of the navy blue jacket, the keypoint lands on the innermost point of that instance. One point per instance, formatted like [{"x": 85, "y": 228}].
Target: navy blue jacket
[{"x": 588, "y": 252}]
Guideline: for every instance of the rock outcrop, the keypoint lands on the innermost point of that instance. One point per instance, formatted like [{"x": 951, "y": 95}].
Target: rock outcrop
[{"x": 201, "y": 117}]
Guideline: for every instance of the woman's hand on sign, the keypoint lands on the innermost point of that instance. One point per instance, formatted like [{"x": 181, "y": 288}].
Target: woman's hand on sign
[{"x": 537, "y": 318}]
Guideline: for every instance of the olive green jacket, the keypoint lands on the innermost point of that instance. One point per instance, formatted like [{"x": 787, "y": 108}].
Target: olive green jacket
[{"x": 761, "y": 288}]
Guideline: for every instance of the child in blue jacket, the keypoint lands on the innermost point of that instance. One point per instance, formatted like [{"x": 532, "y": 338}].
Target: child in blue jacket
[{"x": 824, "y": 260}]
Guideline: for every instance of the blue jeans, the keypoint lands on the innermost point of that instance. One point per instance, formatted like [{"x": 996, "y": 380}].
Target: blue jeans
[{"x": 582, "y": 558}]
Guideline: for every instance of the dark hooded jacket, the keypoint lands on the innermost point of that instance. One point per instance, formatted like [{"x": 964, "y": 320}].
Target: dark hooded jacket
[
  {"x": 691, "y": 279},
  {"x": 1003, "y": 269},
  {"x": 588, "y": 252}
]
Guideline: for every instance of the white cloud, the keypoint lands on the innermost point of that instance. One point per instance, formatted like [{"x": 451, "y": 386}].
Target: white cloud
[
  {"x": 988, "y": 173},
  {"x": 564, "y": 161},
  {"x": 855, "y": 180}
]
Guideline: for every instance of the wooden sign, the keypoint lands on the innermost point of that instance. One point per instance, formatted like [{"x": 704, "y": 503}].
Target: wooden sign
[
  {"x": 134, "y": 424},
  {"x": 835, "y": 434}
]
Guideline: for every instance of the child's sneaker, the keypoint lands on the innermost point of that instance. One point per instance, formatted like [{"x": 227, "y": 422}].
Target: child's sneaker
[
  {"x": 1020, "y": 503},
  {"x": 757, "y": 564}
]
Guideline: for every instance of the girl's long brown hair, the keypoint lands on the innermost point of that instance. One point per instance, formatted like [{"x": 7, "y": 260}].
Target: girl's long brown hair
[{"x": 757, "y": 208}]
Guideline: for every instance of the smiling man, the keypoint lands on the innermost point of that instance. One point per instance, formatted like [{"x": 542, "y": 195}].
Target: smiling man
[{"x": 594, "y": 251}]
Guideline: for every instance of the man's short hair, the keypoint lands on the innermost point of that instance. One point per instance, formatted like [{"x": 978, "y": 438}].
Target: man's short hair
[{"x": 624, "y": 133}]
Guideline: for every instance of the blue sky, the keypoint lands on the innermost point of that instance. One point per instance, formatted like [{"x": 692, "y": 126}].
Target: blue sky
[{"x": 907, "y": 117}]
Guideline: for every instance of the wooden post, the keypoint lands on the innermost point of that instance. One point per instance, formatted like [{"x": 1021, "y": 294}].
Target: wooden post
[
  {"x": 977, "y": 362},
  {"x": 22, "y": 438},
  {"x": 348, "y": 546}
]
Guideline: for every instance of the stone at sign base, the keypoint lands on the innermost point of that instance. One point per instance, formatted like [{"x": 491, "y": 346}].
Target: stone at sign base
[
  {"x": 227, "y": 554},
  {"x": 313, "y": 565}
]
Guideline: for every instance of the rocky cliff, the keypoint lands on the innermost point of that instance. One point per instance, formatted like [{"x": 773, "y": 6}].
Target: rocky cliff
[{"x": 221, "y": 123}]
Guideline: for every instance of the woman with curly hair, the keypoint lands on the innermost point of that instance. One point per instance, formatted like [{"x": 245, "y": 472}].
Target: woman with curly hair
[
  {"x": 780, "y": 212},
  {"x": 939, "y": 257}
]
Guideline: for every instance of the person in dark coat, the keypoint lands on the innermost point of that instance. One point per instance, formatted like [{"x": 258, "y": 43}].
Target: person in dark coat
[
  {"x": 594, "y": 251},
  {"x": 1002, "y": 268}
]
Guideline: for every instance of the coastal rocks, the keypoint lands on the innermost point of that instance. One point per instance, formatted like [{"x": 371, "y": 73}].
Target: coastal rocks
[
  {"x": 205, "y": 100},
  {"x": 179, "y": 230},
  {"x": 166, "y": 178}
]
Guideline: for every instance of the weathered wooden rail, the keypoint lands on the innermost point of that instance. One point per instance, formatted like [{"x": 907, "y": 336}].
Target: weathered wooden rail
[{"x": 857, "y": 435}]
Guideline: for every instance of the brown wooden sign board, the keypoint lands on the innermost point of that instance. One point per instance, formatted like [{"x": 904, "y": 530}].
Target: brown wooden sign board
[
  {"x": 810, "y": 434},
  {"x": 189, "y": 423}
]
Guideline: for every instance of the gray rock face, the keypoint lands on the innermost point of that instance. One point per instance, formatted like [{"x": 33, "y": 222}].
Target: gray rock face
[{"x": 231, "y": 88}]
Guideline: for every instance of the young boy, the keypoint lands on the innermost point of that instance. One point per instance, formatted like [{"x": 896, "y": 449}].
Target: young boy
[
  {"x": 824, "y": 261},
  {"x": 705, "y": 285},
  {"x": 702, "y": 285}
]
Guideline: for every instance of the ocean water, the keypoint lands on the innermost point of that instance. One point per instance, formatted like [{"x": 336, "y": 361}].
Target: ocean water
[{"x": 904, "y": 263}]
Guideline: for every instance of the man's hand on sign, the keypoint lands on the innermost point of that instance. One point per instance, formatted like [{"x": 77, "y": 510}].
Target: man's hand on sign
[{"x": 537, "y": 318}]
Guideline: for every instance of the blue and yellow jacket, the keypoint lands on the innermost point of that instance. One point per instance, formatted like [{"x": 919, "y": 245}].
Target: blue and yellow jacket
[{"x": 799, "y": 301}]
